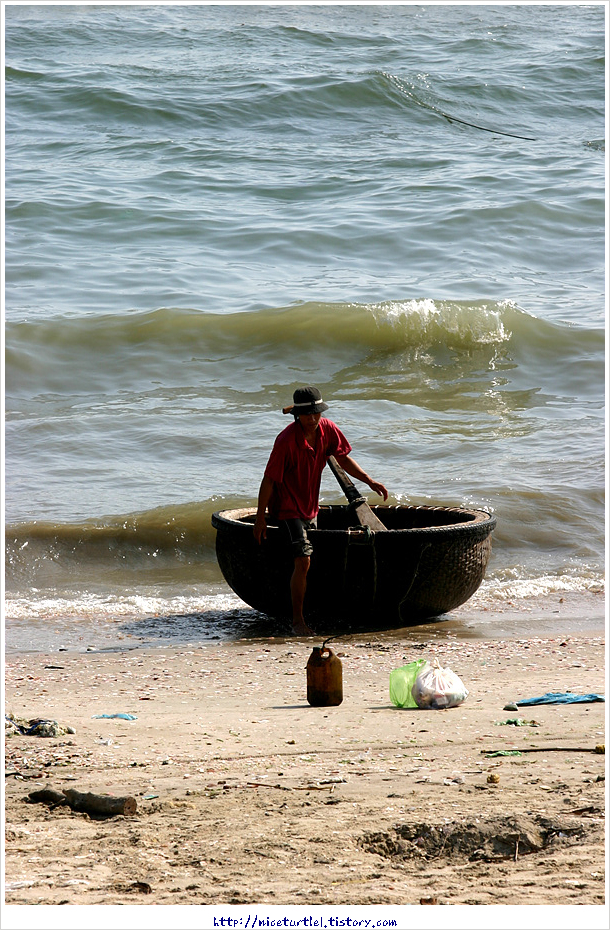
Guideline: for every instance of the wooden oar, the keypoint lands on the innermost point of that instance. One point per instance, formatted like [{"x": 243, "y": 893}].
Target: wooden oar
[{"x": 358, "y": 504}]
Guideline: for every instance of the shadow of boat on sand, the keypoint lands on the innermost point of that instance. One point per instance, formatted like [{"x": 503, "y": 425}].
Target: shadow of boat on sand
[{"x": 208, "y": 626}]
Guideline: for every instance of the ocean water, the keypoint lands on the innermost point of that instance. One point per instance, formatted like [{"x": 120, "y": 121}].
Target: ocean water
[{"x": 207, "y": 206}]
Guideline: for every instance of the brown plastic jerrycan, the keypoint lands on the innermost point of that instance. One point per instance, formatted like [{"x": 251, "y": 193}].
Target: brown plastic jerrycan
[{"x": 324, "y": 678}]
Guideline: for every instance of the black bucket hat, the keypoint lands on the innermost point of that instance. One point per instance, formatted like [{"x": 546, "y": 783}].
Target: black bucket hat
[{"x": 306, "y": 400}]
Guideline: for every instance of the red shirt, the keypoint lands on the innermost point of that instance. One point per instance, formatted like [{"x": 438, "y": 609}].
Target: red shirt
[{"x": 296, "y": 468}]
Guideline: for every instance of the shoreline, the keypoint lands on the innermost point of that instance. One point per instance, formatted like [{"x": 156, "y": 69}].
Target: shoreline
[
  {"x": 481, "y": 617},
  {"x": 247, "y": 795}
]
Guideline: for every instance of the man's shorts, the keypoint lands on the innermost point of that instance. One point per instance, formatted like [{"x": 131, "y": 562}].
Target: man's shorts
[{"x": 297, "y": 534}]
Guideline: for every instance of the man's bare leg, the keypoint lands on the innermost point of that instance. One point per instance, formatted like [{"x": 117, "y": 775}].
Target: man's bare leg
[{"x": 298, "y": 586}]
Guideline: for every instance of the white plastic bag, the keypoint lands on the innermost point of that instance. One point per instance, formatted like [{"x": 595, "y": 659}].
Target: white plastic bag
[{"x": 436, "y": 687}]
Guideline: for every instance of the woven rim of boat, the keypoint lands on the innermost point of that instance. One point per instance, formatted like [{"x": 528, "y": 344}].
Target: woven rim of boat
[{"x": 480, "y": 519}]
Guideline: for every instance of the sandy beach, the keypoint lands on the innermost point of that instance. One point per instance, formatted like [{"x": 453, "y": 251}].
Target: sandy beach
[{"x": 247, "y": 795}]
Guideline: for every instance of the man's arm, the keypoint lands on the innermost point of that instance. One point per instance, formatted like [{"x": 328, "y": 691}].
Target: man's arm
[
  {"x": 264, "y": 496},
  {"x": 353, "y": 469}
]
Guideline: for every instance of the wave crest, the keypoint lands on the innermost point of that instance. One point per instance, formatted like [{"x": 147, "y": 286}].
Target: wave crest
[
  {"x": 389, "y": 324},
  {"x": 452, "y": 323}
]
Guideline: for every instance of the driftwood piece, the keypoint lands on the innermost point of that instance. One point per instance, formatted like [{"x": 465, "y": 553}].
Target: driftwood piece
[
  {"x": 48, "y": 796},
  {"x": 104, "y": 805}
]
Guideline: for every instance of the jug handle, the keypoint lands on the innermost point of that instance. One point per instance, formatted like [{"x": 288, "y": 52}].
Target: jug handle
[{"x": 325, "y": 647}]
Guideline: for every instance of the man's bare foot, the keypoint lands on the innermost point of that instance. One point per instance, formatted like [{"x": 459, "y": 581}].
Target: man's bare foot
[{"x": 300, "y": 627}]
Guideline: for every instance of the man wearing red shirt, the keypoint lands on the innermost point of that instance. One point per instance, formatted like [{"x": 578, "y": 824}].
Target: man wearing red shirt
[{"x": 291, "y": 484}]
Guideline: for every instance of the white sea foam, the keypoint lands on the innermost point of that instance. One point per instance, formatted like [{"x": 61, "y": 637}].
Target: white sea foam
[
  {"x": 445, "y": 321},
  {"x": 114, "y": 609},
  {"x": 515, "y": 588}
]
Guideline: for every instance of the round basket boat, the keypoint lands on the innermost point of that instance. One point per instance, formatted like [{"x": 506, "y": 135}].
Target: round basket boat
[{"x": 428, "y": 562}]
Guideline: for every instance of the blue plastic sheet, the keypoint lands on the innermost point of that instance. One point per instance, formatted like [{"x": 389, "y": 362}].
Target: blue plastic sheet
[{"x": 561, "y": 697}]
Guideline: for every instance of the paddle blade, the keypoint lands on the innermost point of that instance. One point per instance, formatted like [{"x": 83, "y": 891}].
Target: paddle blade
[{"x": 366, "y": 517}]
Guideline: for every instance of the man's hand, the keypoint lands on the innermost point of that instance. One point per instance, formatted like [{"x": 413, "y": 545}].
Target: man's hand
[
  {"x": 264, "y": 496},
  {"x": 349, "y": 465},
  {"x": 260, "y": 528},
  {"x": 379, "y": 489}
]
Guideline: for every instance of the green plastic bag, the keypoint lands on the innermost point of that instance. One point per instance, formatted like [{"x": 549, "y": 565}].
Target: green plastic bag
[{"x": 402, "y": 681}]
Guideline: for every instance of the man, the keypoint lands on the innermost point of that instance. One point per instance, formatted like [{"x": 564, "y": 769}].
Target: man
[{"x": 290, "y": 487}]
